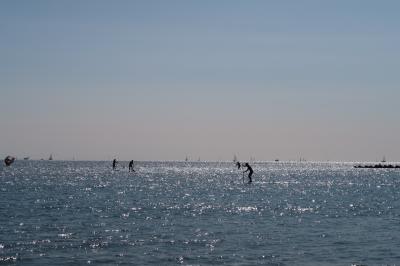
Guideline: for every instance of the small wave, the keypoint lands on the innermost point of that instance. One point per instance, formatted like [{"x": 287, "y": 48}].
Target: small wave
[{"x": 247, "y": 209}]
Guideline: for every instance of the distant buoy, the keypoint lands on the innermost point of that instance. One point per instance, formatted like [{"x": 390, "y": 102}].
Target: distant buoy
[{"x": 9, "y": 160}]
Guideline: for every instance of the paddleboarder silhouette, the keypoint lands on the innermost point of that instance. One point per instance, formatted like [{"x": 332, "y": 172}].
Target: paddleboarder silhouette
[
  {"x": 238, "y": 165},
  {"x": 250, "y": 170},
  {"x": 131, "y": 166}
]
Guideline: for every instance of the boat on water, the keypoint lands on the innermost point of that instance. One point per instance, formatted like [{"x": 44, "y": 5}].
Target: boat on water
[
  {"x": 26, "y": 158},
  {"x": 9, "y": 160},
  {"x": 51, "y": 157}
]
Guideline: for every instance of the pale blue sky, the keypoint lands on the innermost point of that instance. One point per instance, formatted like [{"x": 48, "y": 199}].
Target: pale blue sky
[{"x": 159, "y": 80}]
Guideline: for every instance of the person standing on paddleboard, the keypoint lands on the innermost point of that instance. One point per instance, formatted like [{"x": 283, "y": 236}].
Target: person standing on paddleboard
[
  {"x": 114, "y": 164},
  {"x": 131, "y": 166},
  {"x": 238, "y": 165},
  {"x": 250, "y": 170}
]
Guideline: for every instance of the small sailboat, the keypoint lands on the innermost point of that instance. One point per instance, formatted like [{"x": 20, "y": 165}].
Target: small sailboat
[
  {"x": 235, "y": 158},
  {"x": 51, "y": 157}
]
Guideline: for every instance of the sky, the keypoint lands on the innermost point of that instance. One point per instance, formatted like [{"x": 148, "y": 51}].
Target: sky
[{"x": 162, "y": 80}]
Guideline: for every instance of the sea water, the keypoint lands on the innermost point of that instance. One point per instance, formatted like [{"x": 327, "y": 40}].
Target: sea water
[{"x": 171, "y": 213}]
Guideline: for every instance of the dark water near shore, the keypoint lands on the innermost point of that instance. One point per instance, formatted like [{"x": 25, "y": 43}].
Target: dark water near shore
[{"x": 80, "y": 213}]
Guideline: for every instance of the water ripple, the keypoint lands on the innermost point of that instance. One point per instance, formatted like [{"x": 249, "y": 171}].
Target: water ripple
[{"x": 198, "y": 214}]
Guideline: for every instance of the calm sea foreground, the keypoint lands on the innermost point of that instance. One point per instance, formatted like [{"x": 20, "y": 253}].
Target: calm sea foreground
[{"x": 171, "y": 213}]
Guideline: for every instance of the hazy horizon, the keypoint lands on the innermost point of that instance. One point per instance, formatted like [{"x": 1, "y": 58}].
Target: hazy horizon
[{"x": 162, "y": 80}]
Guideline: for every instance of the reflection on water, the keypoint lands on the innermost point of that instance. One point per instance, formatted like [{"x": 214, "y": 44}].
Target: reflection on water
[{"x": 55, "y": 213}]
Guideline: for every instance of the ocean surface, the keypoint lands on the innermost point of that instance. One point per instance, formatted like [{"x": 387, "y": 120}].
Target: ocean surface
[{"x": 179, "y": 213}]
